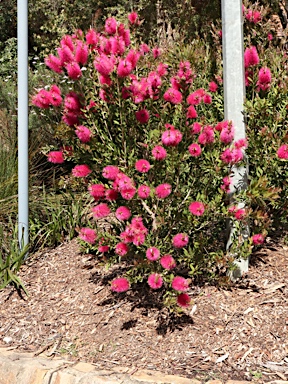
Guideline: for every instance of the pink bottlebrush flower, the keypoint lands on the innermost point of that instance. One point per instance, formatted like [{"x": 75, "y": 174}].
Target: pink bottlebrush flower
[
  {"x": 195, "y": 150},
  {"x": 126, "y": 37},
  {"x": 258, "y": 239},
  {"x": 227, "y": 180},
  {"x": 133, "y": 56},
  {"x": 241, "y": 143},
  {"x": 88, "y": 235},
  {"x": 226, "y": 184},
  {"x": 138, "y": 239},
  {"x": 264, "y": 76},
  {"x": 142, "y": 166},
  {"x": 239, "y": 214},
  {"x": 152, "y": 254},
  {"x": 173, "y": 96},
  {"x": 270, "y": 36},
  {"x": 142, "y": 116},
  {"x": 171, "y": 137},
  {"x": 197, "y": 208},
  {"x": 117, "y": 45},
  {"x": 123, "y": 181},
  {"x": 103, "y": 248},
  {"x": 66, "y": 55},
  {"x": 213, "y": 86},
  {"x": 183, "y": 300},
  {"x": 97, "y": 190},
  {"x": 180, "y": 240},
  {"x": 196, "y": 97},
  {"x": 159, "y": 153},
  {"x": 70, "y": 119},
  {"x": 143, "y": 191},
  {"x": 162, "y": 69},
  {"x": 81, "y": 171},
  {"x": 56, "y": 157},
  {"x": 282, "y": 152},
  {"x": 72, "y": 102},
  {"x": 111, "y": 26},
  {"x": 168, "y": 262},
  {"x": 180, "y": 284},
  {"x": 133, "y": 18},
  {"x": 220, "y": 126},
  {"x": 120, "y": 285},
  {"x": 81, "y": 54},
  {"x": 42, "y": 99},
  {"x": 54, "y": 63},
  {"x": 128, "y": 193},
  {"x": 111, "y": 194},
  {"x": 191, "y": 112},
  {"x": 196, "y": 128},
  {"x": 144, "y": 49},
  {"x": 124, "y": 68},
  {"x": 251, "y": 57},
  {"x": 67, "y": 41},
  {"x": 83, "y": 133},
  {"x": 105, "y": 80},
  {"x": 155, "y": 281},
  {"x": 110, "y": 172},
  {"x": 207, "y": 136},
  {"x": 227, "y": 134},
  {"x": 123, "y": 213},
  {"x": 237, "y": 155},
  {"x": 101, "y": 210},
  {"x": 121, "y": 249},
  {"x": 156, "y": 52},
  {"x": 207, "y": 99},
  {"x": 163, "y": 190},
  {"x": 227, "y": 156},
  {"x": 92, "y": 37},
  {"x": 104, "y": 65},
  {"x": 55, "y": 96}
]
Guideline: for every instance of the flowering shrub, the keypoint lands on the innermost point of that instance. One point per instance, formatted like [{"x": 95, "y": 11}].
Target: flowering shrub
[{"x": 143, "y": 139}]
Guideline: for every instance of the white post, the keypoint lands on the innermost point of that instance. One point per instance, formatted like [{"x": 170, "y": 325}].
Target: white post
[
  {"x": 22, "y": 42},
  {"x": 234, "y": 94}
]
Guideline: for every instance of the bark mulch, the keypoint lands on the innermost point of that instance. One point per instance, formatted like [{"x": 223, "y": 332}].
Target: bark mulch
[{"x": 239, "y": 332}]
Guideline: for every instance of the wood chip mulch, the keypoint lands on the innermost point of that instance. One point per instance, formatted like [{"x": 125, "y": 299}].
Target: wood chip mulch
[{"x": 238, "y": 333}]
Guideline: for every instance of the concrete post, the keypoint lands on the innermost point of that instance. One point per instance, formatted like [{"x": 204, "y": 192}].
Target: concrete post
[{"x": 234, "y": 94}]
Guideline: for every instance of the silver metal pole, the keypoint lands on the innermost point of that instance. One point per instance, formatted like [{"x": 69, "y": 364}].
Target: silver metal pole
[
  {"x": 22, "y": 42},
  {"x": 234, "y": 94}
]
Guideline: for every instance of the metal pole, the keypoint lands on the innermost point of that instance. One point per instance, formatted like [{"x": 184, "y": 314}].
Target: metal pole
[
  {"x": 22, "y": 42},
  {"x": 234, "y": 94}
]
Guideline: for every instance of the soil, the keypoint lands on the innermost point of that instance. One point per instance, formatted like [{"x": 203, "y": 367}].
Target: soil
[{"x": 237, "y": 332}]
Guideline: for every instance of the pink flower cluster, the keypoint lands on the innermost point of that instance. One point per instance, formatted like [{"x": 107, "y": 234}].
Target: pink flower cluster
[
  {"x": 72, "y": 55},
  {"x": 282, "y": 152},
  {"x": 253, "y": 16},
  {"x": 88, "y": 235},
  {"x": 238, "y": 213},
  {"x": 56, "y": 157},
  {"x": 264, "y": 79},
  {"x": 135, "y": 232},
  {"x": 171, "y": 137},
  {"x": 197, "y": 208},
  {"x": 258, "y": 239},
  {"x": 120, "y": 285},
  {"x": 45, "y": 99}
]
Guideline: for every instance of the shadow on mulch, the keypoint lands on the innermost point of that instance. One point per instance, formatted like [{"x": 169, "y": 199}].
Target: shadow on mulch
[{"x": 142, "y": 297}]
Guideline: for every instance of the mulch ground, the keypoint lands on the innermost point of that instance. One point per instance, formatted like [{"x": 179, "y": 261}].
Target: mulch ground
[{"x": 240, "y": 332}]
